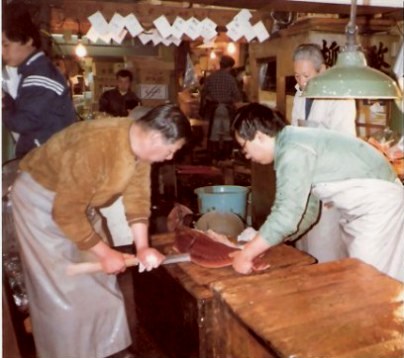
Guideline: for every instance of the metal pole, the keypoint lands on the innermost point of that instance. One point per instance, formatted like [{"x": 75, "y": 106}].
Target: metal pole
[{"x": 351, "y": 29}]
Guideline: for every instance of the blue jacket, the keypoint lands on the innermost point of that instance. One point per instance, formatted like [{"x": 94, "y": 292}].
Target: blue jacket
[{"x": 42, "y": 106}]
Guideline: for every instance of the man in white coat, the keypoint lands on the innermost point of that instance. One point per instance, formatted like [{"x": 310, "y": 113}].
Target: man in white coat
[{"x": 323, "y": 240}]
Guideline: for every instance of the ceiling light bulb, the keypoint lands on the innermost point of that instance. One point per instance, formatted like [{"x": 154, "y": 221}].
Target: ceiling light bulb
[
  {"x": 80, "y": 50},
  {"x": 231, "y": 48},
  {"x": 212, "y": 55}
]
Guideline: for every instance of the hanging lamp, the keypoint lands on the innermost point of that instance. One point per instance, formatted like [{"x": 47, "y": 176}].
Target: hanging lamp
[
  {"x": 351, "y": 77},
  {"x": 80, "y": 49}
]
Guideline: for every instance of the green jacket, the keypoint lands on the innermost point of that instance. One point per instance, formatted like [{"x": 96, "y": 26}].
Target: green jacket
[{"x": 305, "y": 157}]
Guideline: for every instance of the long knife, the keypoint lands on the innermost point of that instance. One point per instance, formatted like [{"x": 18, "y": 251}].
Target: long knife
[{"x": 91, "y": 267}]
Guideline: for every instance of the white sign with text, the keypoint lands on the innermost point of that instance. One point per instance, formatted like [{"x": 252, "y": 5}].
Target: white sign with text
[{"x": 159, "y": 91}]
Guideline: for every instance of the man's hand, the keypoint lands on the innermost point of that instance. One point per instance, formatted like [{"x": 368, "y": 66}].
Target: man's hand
[
  {"x": 149, "y": 258},
  {"x": 242, "y": 262},
  {"x": 112, "y": 261}
]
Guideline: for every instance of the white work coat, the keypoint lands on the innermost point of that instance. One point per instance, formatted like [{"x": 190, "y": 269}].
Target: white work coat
[{"x": 336, "y": 114}]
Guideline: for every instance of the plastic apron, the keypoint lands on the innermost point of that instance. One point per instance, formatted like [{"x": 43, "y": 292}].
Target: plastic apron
[
  {"x": 221, "y": 124},
  {"x": 372, "y": 220},
  {"x": 72, "y": 317}
]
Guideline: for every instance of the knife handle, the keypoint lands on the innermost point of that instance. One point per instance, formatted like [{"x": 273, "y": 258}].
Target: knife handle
[{"x": 92, "y": 267}]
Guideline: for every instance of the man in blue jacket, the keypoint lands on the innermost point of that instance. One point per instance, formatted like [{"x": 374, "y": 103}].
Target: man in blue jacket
[{"x": 42, "y": 105}]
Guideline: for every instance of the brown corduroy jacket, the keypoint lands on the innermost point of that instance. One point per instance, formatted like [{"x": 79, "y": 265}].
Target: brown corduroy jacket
[{"x": 88, "y": 165}]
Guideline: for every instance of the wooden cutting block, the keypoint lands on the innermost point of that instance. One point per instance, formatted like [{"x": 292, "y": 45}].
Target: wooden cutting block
[
  {"x": 343, "y": 308},
  {"x": 174, "y": 302}
]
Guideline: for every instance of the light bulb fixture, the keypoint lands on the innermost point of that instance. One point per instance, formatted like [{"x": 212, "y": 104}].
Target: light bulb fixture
[
  {"x": 212, "y": 55},
  {"x": 80, "y": 49},
  {"x": 231, "y": 48},
  {"x": 351, "y": 77}
]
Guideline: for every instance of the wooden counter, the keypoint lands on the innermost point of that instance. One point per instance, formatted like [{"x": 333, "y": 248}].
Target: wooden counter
[
  {"x": 339, "y": 309},
  {"x": 174, "y": 302}
]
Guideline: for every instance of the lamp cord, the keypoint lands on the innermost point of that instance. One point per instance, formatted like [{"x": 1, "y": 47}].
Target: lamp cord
[{"x": 79, "y": 34}]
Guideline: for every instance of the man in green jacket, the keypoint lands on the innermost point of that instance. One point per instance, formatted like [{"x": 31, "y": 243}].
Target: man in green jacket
[{"x": 340, "y": 170}]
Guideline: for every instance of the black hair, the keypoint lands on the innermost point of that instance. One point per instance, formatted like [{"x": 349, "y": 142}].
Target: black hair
[
  {"x": 226, "y": 62},
  {"x": 17, "y": 25},
  {"x": 256, "y": 117},
  {"x": 125, "y": 73},
  {"x": 169, "y": 120}
]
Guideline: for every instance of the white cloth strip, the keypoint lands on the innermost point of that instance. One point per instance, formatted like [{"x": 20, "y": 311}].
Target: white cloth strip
[
  {"x": 46, "y": 80},
  {"x": 33, "y": 58},
  {"x": 41, "y": 81}
]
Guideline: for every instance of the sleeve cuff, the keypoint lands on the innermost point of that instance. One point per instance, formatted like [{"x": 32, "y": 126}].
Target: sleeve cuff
[
  {"x": 270, "y": 241},
  {"x": 134, "y": 220},
  {"x": 89, "y": 242}
]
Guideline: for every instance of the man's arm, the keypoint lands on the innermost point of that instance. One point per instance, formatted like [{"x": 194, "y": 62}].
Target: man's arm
[
  {"x": 136, "y": 197},
  {"x": 289, "y": 216},
  {"x": 295, "y": 166},
  {"x": 137, "y": 202},
  {"x": 149, "y": 258},
  {"x": 25, "y": 113}
]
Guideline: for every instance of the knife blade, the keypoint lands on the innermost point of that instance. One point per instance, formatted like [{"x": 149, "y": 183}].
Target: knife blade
[
  {"x": 92, "y": 267},
  {"x": 176, "y": 258}
]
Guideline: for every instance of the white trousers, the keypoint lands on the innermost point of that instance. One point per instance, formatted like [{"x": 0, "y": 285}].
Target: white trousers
[
  {"x": 372, "y": 221},
  {"x": 72, "y": 317}
]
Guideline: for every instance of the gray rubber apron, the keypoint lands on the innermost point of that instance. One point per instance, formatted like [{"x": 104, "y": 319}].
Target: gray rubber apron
[
  {"x": 221, "y": 124},
  {"x": 72, "y": 317},
  {"x": 372, "y": 220}
]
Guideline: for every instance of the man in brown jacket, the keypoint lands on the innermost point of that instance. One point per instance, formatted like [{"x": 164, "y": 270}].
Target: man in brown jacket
[{"x": 83, "y": 167}]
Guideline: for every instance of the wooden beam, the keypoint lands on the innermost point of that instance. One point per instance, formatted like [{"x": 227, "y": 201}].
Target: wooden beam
[
  {"x": 301, "y": 6},
  {"x": 365, "y": 26}
]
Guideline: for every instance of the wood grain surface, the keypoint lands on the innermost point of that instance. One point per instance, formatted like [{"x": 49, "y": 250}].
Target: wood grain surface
[
  {"x": 175, "y": 302},
  {"x": 343, "y": 308},
  {"x": 278, "y": 257}
]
